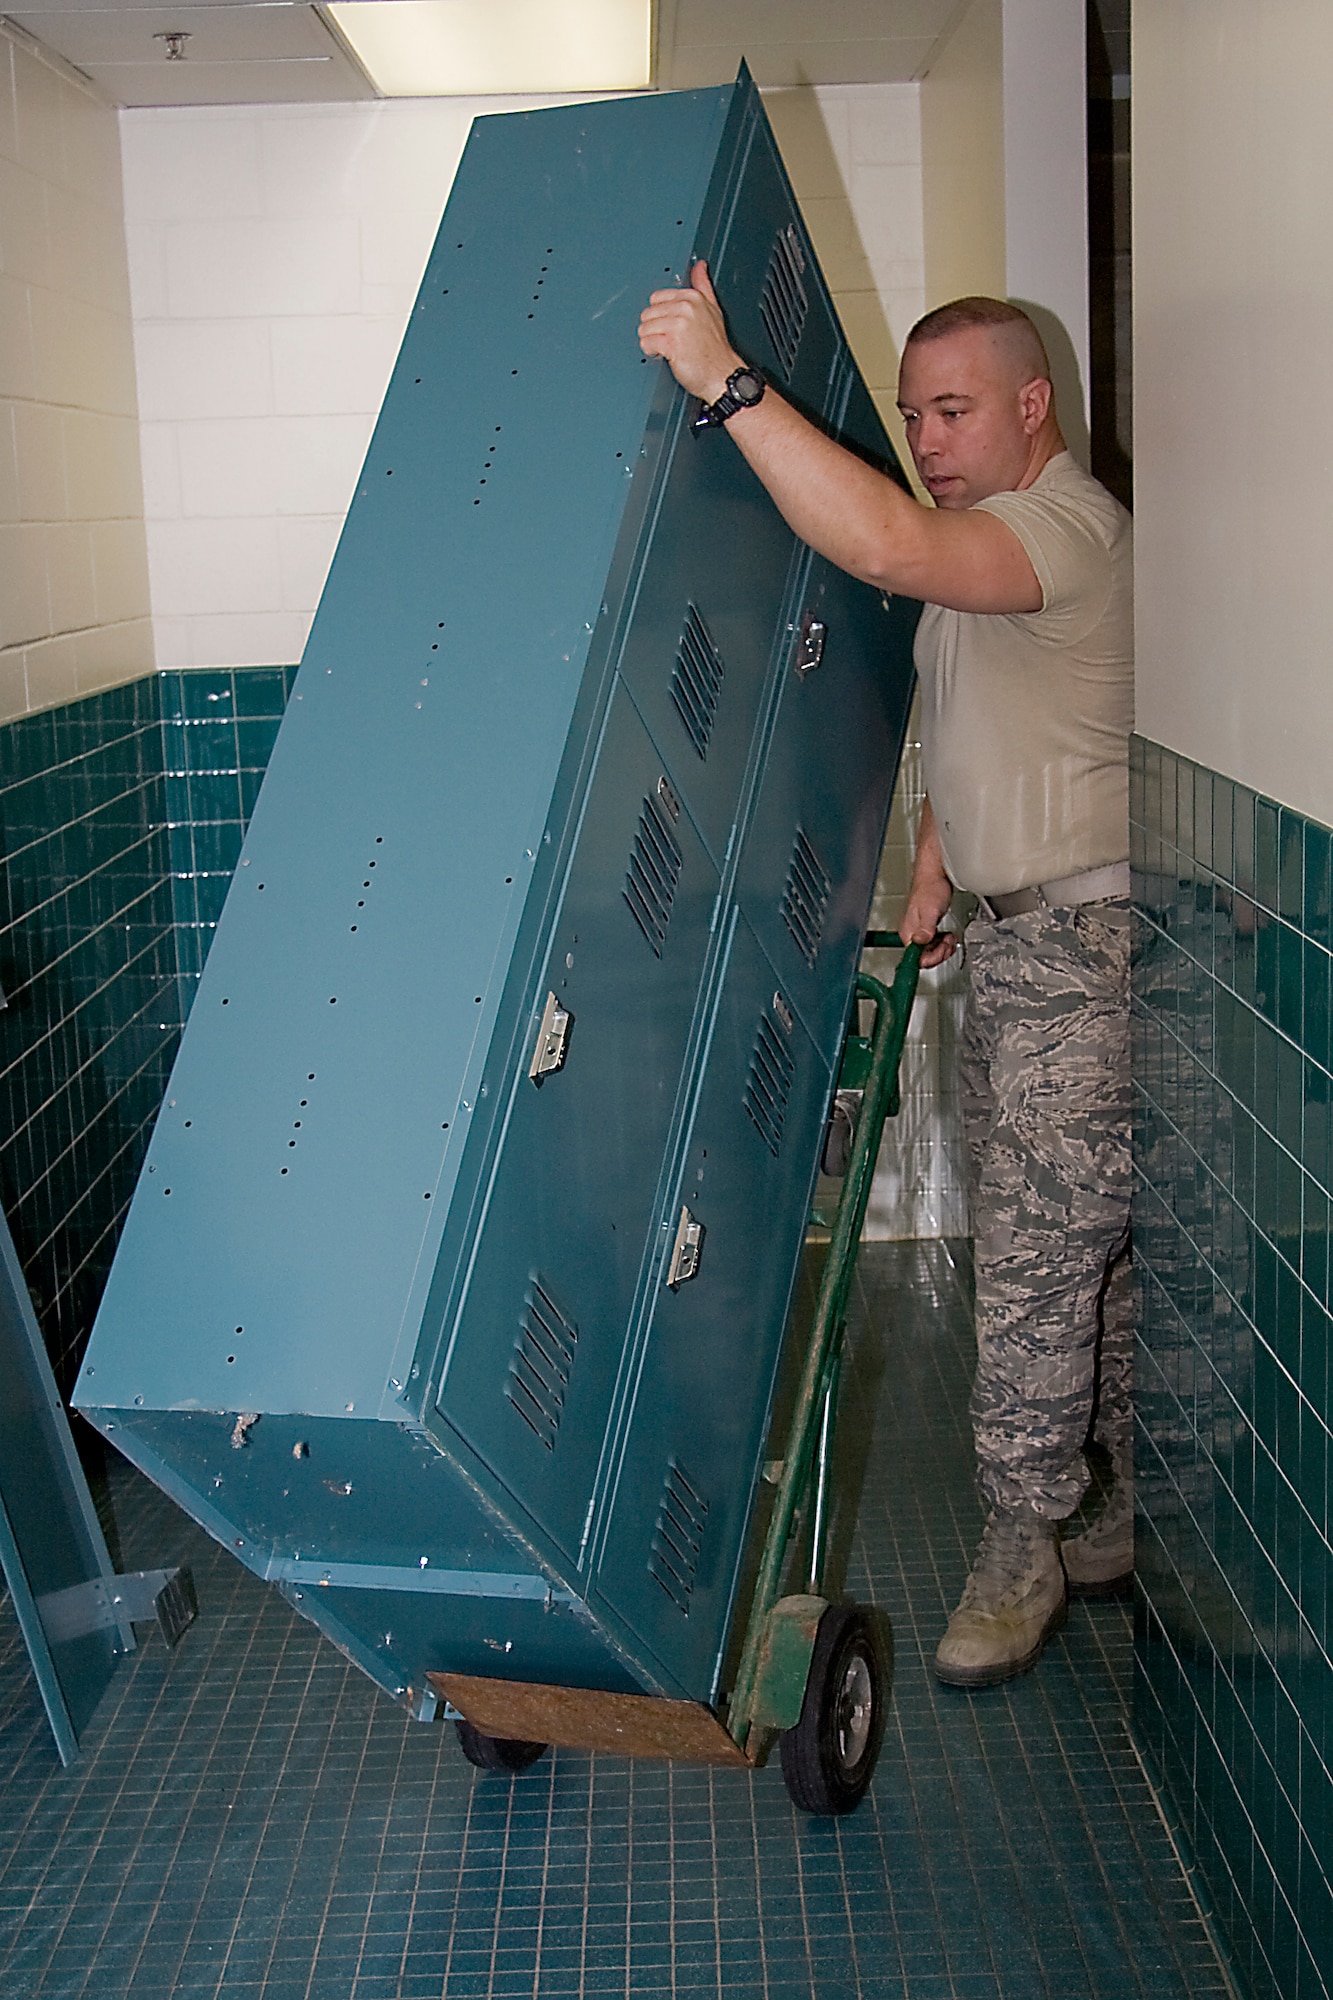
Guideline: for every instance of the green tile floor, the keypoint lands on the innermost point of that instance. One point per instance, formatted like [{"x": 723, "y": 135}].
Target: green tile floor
[{"x": 251, "y": 1819}]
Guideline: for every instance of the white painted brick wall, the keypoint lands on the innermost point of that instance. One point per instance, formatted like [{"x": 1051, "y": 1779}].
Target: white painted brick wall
[{"x": 74, "y": 605}]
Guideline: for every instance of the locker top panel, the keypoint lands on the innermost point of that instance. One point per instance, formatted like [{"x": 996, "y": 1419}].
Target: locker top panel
[{"x": 284, "y": 1233}]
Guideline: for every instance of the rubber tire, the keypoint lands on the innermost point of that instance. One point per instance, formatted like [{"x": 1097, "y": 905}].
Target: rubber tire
[
  {"x": 818, "y": 1776},
  {"x": 497, "y": 1753}
]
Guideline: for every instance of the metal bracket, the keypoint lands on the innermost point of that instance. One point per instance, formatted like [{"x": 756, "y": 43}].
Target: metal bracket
[
  {"x": 686, "y": 1250},
  {"x": 552, "y": 1040},
  {"x": 138, "y": 1595},
  {"x": 810, "y": 644},
  {"x": 785, "y": 1652}
]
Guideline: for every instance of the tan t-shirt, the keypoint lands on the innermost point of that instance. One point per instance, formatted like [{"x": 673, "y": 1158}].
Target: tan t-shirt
[{"x": 1025, "y": 718}]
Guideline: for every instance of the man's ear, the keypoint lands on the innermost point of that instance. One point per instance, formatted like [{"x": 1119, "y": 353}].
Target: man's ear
[{"x": 1034, "y": 400}]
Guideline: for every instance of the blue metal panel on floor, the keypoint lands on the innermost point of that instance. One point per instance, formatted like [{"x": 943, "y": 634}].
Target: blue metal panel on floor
[
  {"x": 393, "y": 1315},
  {"x": 52, "y": 1553}
]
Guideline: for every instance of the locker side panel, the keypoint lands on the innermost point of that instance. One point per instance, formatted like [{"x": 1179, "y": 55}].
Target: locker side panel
[{"x": 321, "y": 1099}]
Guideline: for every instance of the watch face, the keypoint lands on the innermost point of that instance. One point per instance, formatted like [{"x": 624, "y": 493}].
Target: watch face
[{"x": 746, "y": 385}]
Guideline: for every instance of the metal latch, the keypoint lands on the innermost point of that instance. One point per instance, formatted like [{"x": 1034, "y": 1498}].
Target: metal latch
[
  {"x": 668, "y": 797},
  {"x": 686, "y": 1250},
  {"x": 552, "y": 1040},
  {"x": 810, "y": 645}
]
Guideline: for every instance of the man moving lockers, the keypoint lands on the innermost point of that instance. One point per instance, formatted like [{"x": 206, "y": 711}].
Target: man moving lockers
[{"x": 1024, "y": 653}]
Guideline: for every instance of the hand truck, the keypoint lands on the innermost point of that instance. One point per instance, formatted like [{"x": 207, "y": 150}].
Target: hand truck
[{"x": 812, "y": 1674}]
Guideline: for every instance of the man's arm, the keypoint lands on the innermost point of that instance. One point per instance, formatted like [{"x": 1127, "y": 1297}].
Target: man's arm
[
  {"x": 858, "y": 518},
  {"x": 929, "y": 896}
]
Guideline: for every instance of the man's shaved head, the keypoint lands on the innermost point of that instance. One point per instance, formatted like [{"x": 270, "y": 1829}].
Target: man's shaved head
[
  {"x": 977, "y": 406},
  {"x": 1015, "y": 336}
]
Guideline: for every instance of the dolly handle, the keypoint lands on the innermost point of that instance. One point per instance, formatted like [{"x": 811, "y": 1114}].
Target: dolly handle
[
  {"x": 891, "y": 941},
  {"x": 893, "y": 1010}
]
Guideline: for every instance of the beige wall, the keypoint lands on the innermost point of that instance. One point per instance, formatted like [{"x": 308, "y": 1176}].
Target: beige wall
[
  {"x": 1233, "y": 426},
  {"x": 73, "y": 568},
  {"x": 1004, "y": 170},
  {"x": 854, "y": 155},
  {"x": 962, "y": 159}
]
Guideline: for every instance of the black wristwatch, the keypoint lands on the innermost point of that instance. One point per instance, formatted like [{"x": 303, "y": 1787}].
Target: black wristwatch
[{"x": 745, "y": 387}]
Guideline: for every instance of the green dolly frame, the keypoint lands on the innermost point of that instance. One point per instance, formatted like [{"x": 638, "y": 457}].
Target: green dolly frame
[{"x": 811, "y": 1674}]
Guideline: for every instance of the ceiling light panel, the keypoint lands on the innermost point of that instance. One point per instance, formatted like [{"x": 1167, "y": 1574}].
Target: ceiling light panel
[{"x": 473, "y": 48}]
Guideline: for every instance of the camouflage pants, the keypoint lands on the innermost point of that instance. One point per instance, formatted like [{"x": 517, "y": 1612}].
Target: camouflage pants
[{"x": 1046, "y": 1102}]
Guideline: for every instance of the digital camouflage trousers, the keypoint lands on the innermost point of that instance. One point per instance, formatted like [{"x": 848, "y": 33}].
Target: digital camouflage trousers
[{"x": 1046, "y": 1102}]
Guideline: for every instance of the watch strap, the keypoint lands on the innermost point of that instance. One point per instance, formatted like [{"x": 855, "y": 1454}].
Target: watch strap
[{"x": 713, "y": 415}]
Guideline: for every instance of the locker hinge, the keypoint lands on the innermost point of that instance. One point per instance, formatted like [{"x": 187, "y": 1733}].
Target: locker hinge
[
  {"x": 552, "y": 1040},
  {"x": 686, "y": 1250},
  {"x": 810, "y": 645}
]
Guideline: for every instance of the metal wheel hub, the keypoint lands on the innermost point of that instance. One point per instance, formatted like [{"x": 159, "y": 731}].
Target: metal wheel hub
[{"x": 854, "y": 1710}]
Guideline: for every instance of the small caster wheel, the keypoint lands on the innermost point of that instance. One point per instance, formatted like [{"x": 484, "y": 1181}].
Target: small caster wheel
[
  {"x": 497, "y": 1753},
  {"x": 840, "y": 1134},
  {"x": 828, "y": 1758}
]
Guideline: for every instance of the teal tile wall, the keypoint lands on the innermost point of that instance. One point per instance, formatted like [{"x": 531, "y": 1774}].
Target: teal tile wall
[
  {"x": 1234, "y": 1177},
  {"x": 120, "y": 819}
]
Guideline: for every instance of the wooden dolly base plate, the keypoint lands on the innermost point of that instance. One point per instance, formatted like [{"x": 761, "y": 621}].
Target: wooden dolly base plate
[{"x": 630, "y": 1725}]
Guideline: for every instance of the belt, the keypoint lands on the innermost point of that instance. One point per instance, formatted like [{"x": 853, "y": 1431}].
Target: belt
[{"x": 1097, "y": 885}]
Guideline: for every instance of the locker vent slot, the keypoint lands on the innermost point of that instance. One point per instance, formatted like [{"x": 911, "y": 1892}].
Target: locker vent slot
[
  {"x": 697, "y": 681},
  {"x": 654, "y": 870},
  {"x": 768, "y": 1085},
  {"x": 805, "y": 899},
  {"x": 783, "y": 303},
  {"x": 674, "y": 1556},
  {"x": 539, "y": 1368}
]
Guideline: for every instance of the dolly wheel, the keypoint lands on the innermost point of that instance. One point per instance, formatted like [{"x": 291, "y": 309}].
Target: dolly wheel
[
  {"x": 497, "y": 1753},
  {"x": 828, "y": 1758}
]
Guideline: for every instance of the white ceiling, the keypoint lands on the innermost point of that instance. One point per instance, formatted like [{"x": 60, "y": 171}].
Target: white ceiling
[{"x": 284, "y": 51}]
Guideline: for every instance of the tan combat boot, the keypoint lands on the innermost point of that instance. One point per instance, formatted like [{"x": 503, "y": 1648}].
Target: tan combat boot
[
  {"x": 1011, "y": 1605},
  {"x": 1099, "y": 1559}
]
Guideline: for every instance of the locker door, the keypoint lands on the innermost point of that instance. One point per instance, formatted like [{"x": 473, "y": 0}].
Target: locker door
[
  {"x": 687, "y": 1475},
  {"x": 699, "y": 651},
  {"x": 777, "y": 311},
  {"x": 697, "y": 655},
  {"x": 812, "y": 849},
  {"x": 540, "y": 1332}
]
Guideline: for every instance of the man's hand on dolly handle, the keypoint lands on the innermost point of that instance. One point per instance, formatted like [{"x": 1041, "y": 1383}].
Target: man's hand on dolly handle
[{"x": 929, "y": 897}]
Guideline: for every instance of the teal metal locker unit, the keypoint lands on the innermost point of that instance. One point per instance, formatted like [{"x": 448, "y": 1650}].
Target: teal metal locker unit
[{"x": 452, "y": 1293}]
